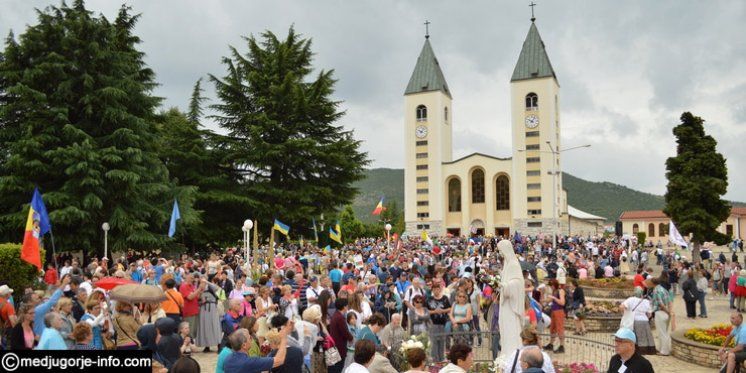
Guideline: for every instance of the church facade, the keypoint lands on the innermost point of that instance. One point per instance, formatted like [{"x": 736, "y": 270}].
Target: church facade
[{"x": 481, "y": 194}]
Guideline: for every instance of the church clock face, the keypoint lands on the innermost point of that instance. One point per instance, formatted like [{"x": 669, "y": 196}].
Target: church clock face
[
  {"x": 420, "y": 132},
  {"x": 532, "y": 121}
]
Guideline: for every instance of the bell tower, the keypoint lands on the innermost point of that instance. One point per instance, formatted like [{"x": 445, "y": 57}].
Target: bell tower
[
  {"x": 534, "y": 91},
  {"x": 427, "y": 143}
]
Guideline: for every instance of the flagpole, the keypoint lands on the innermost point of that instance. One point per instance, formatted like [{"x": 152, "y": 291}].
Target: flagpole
[
  {"x": 271, "y": 250},
  {"x": 54, "y": 252}
]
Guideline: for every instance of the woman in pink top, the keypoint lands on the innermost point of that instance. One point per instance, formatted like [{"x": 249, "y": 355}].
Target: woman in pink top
[{"x": 582, "y": 273}]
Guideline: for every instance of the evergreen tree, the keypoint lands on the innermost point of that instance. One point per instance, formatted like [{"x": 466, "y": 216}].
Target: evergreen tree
[
  {"x": 192, "y": 158},
  {"x": 352, "y": 227},
  {"x": 697, "y": 178},
  {"x": 195, "y": 103},
  {"x": 77, "y": 120},
  {"x": 394, "y": 216},
  {"x": 282, "y": 137}
]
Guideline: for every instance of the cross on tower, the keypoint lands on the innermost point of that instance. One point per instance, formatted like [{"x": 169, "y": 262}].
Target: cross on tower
[
  {"x": 427, "y": 29},
  {"x": 532, "y": 5}
]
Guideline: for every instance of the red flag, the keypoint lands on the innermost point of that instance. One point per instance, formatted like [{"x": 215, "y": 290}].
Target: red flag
[
  {"x": 30, "y": 249},
  {"x": 379, "y": 208}
]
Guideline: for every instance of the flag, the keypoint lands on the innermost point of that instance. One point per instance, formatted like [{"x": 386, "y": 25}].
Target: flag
[
  {"x": 336, "y": 235},
  {"x": 327, "y": 249},
  {"x": 395, "y": 237},
  {"x": 674, "y": 236},
  {"x": 37, "y": 224},
  {"x": 379, "y": 208},
  {"x": 280, "y": 227},
  {"x": 426, "y": 238},
  {"x": 175, "y": 215}
]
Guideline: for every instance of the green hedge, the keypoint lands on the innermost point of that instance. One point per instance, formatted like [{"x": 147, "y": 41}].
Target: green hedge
[{"x": 15, "y": 272}]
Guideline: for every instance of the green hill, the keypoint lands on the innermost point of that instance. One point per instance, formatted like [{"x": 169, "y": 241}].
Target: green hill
[{"x": 598, "y": 198}]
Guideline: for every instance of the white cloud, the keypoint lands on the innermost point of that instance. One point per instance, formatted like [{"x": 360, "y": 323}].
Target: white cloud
[{"x": 627, "y": 70}]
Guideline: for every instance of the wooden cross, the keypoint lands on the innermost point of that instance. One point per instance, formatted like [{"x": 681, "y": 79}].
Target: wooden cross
[
  {"x": 427, "y": 29},
  {"x": 532, "y": 5}
]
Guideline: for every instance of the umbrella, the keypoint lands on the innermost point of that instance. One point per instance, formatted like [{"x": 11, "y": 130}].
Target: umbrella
[
  {"x": 138, "y": 293},
  {"x": 109, "y": 283}
]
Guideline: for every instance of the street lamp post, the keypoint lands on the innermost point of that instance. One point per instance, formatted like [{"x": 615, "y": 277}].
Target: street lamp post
[
  {"x": 247, "y": 225},
  {"x": 554, "y": 172},
  {"x": 388, "y": 235},
  {"x": 106, "y": 228}
]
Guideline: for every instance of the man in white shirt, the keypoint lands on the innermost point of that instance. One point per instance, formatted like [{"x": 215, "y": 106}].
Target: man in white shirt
[
  {"x": 314, "y": 290},
  {"x": 414, "y": 290}
]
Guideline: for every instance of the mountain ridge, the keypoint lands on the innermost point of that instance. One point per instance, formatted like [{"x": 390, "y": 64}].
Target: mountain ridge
[{"x": 603, "y": 198}]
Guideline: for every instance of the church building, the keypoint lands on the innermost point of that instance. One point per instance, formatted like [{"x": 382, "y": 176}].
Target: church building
[{"x": 482, "y": 194}]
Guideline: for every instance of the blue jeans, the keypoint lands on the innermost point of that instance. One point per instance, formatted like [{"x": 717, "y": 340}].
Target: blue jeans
[
  {"x": 495, "y": 344},
  {"x": 477, "y": 328},
  {"x": 702, "y": 307}
]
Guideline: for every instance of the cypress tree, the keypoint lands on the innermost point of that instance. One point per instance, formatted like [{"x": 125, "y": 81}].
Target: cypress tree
[
  {"x": 296, "y": 162},
  {"x": 697, "y": 178},
  {"x": 77, "y": 120}
]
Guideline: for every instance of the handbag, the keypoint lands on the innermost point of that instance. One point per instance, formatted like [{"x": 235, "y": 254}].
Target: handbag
[
  {"x": 628, "y": 319},
  {"x": 332, "y": 356}
]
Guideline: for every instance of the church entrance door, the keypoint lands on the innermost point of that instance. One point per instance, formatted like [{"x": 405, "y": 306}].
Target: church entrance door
[
  {"x": 505, "y": 232},
  {"x": 455, "y": 232}
]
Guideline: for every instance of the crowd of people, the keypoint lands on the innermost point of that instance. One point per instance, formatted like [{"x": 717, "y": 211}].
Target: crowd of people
[{"x": 352, "y": 308}]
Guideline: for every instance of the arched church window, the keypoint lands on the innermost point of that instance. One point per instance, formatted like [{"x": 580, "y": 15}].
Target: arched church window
[
  {"x": 445, "y": 113},
  {"x": 502, "y": 188},
  {"x": 651, "y": 230},
  {"x": 532, "y": 101},
  {"x": 477, "y": 186},
  {"x": 454, "y": 195},
  {"x": 635, "y": 228},
  {"x": 662, "y": 229},
  {"x": 421, "y": 113}
]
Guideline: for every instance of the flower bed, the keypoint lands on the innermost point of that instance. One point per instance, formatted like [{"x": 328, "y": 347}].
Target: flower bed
[
  {"x": 608, "y": 283},
  {"x": 694, "y": 352},
  {"x": 604, "y": 308},
  {"x": 576, "y": 367},
  {"x": 714, "y": 336}
]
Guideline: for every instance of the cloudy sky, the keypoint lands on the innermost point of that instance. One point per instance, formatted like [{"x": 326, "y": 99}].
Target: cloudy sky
[{"x": 627, "y": 69}]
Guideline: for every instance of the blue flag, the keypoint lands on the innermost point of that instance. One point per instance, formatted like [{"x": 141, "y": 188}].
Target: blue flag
[
  {"x": 175, "y": 215},
  {"x": 38, "y": 205}
]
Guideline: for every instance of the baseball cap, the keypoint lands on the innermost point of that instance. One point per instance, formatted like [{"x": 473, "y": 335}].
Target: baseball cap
[
  {"x": 625, "y": 333},
  {"x": 5, "y": 290}
]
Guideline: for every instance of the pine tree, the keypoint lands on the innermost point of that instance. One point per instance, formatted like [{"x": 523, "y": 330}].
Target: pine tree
[
  {"x": 77, "y": 120},
  {"x": 282, "y": 136},
  {"x": 193, "y": 159},
  {"x": 697, "y": 178}
]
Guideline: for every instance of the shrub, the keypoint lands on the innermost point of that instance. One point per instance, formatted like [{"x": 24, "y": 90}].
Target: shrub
[{"x": 15, "y": 272}]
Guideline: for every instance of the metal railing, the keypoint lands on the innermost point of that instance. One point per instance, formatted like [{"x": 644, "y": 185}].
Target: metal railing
[{"x": 592, "y": 348}]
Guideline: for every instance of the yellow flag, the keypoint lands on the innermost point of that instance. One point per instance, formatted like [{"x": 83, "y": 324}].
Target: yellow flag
[{"x": 425, "y": 237}]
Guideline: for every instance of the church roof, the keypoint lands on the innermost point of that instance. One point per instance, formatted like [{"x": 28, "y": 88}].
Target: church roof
[
  {"x": 477, "y": 155},
  {"x": 580, "y": 214},
  {"x": 427, "y": 75},
  {"x": 533, "y": 61}
]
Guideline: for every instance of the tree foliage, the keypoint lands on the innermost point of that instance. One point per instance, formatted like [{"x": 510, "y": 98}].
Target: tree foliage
[
  {"x": 697, "y": 178},
  {"x": 295, "y": 161},
  {"x": 192, "y": 158},
  {"x": 77, "y": 120}
]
